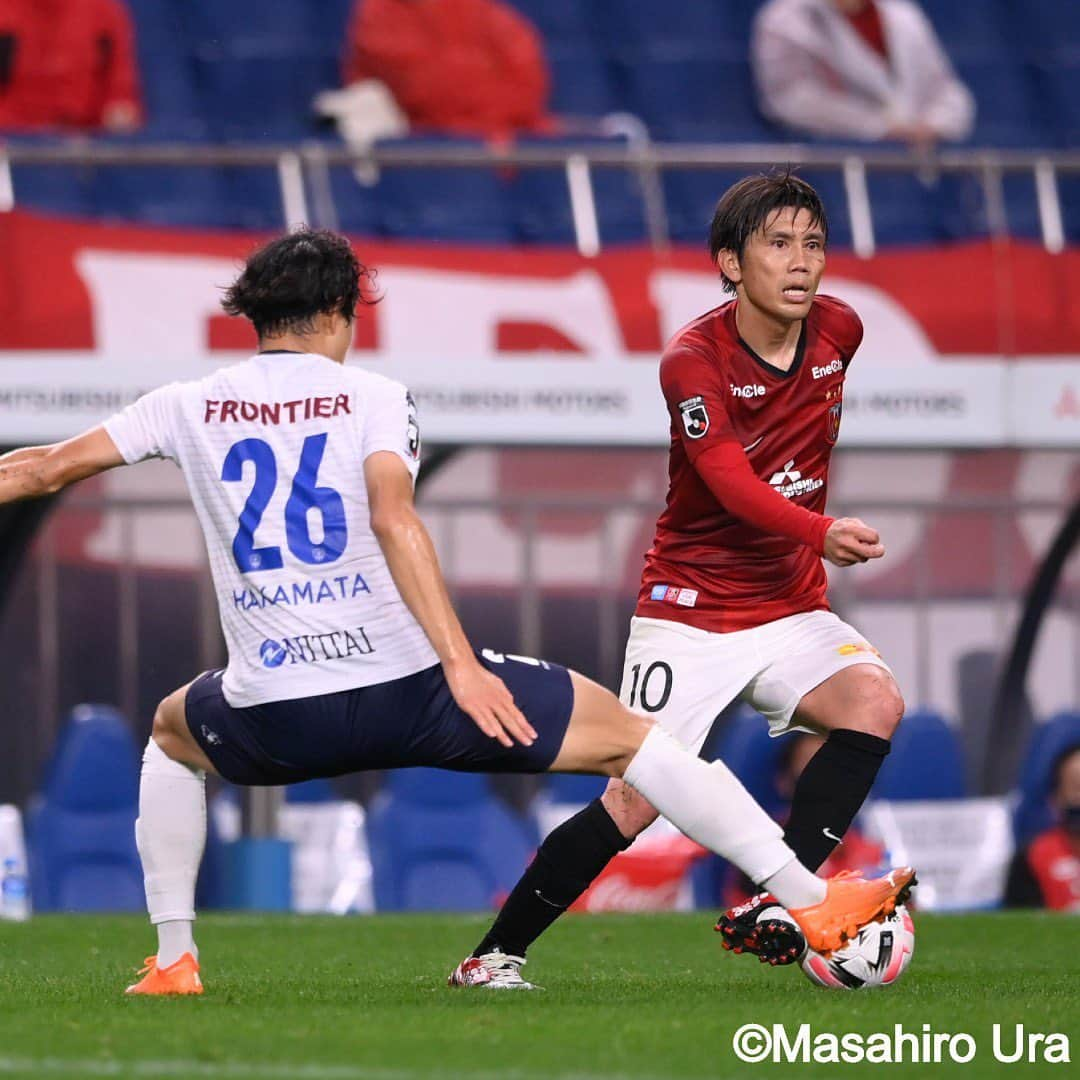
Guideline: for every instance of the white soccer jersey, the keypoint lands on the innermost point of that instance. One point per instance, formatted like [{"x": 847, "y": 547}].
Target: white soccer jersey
[{"x": 273, "y": 452}]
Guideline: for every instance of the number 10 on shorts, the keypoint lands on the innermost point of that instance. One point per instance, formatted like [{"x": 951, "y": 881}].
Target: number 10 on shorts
[{"x": 654, "y": 687}]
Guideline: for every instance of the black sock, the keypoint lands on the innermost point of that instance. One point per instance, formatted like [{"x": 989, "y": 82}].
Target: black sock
[
  {"x": 565, "y": 865},
  {"x": 830, "y": 791}
]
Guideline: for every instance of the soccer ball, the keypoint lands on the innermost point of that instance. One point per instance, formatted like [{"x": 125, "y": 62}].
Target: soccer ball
[{"x": 877, "y": 957}]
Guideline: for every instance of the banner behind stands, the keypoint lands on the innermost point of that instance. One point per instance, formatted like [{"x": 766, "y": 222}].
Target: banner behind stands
[{"x": 972, "y": 345}]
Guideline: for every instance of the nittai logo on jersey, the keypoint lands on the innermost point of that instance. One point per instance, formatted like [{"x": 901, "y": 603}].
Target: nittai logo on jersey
[
  {"x": 695, "y": 416},
  {"x": 315, "y": 648}
]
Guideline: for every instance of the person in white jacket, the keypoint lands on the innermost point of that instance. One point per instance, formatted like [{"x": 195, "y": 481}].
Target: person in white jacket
[{"x": 858, "y": 69}]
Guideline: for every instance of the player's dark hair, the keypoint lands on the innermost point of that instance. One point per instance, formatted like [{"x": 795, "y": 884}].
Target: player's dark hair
[
  {"x": 289, "y": 281},
  {"x": 748, "y": 205}
]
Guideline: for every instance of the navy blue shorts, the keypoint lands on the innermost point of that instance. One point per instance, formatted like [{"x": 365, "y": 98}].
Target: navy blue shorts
[{"x": 392, "y": 725}]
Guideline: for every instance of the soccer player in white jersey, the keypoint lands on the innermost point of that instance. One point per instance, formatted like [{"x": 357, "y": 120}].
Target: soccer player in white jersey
[{"x": 344, "y": 652}]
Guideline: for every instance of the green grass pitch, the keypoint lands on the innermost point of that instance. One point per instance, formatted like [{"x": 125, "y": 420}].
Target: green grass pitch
[{"x": 625, "y": 996}]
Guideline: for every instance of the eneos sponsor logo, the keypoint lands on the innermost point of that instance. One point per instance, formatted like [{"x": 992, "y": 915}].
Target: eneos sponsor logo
[{"x": 834, "y": 367}]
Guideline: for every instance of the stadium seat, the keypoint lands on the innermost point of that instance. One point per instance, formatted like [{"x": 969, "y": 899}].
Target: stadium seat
[
  {"x": 62, "y": 190},
  {"x": 166, "y": 71},
  {"x": 925, "y": 762},
  {"x": 693, "y": 95},
  {"x": 1033, "y": 814},
  {"x": 440, "y": 841},
  {"x": 81, "y": 826},
  {"x": 463, "y": 204},
  {"x": 541, "y": 210},
  {"x": 581, "y": 81},
  {"x": 574, "y": 788},
  {"x": 640, "y": 26},
  {"x": 261, "y": 89},
  {"x": 1009, "y": 112}
]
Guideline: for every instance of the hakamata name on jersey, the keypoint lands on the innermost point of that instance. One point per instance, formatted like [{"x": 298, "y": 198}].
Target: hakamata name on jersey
[{"x": 273, "y": 452}]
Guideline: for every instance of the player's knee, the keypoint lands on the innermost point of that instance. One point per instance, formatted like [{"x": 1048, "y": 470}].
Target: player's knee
[
  {"x": 164, "y": 731},
  {"x": 631, "y": 811},
  {"x": 625, "y": 739},
  {"x": 884, "y": 704}
]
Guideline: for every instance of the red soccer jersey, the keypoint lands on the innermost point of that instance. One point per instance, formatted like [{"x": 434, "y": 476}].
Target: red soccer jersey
[{"x": 708, "y": 568}]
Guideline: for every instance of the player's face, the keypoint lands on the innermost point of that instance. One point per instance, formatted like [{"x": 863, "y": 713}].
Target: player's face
[{"x": 781, "y": 266}]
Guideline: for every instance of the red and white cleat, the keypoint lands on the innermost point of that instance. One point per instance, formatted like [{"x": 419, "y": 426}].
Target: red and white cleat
[
  {"x": 762, "y": 928},
  {"x": 493, "y": 971}
]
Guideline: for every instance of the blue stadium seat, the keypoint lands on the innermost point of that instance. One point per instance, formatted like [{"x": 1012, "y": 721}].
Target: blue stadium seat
[
  {"x": 968, "y": 30},
  {"x": 1069, "y": 189},
  {"x": 558, "y": 21},
  {"x": 261, "y": 89},
  {"x": 574, "y": 788},
  {"x": 441, "y": 841},
  {"x": 54, "y": 189},
  {"x": 1009, "y": 109},
  {"x": 1033, "y": 814},
  {"x": 694, "y": 96},
  {"x": 542, "y": 212},
  {"x": 1055, "y": 78},
  {"x": 581, "y": 81},
  {"x": 166, "y": 71},
  {"x": 907, "y": 212},
  {"x": 643, "y": 26},
  {"x": 1036, "y": 26},
  {"x": 459, "y": 204},
  {"x": 81, "y": 826},
  {"x": 925, "y": 762},
  {"x": 691, "y": 196},
  {"x": 1021, "y": 206}
]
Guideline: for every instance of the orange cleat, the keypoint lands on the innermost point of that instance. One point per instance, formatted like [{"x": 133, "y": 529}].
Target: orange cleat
[
  {"x": 850, "y": 903},
  {"x": 179, "y": 978}
]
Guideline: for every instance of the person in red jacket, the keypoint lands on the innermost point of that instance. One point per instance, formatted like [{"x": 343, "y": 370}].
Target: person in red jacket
[
  {"x": 67, "y": 64},
  {"x": 472, "y": 67},
  {"x": 1047, "y": 872}
]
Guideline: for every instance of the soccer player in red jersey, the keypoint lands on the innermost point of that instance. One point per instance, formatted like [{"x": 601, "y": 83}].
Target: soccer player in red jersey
[{"x": 733, "y": 596}]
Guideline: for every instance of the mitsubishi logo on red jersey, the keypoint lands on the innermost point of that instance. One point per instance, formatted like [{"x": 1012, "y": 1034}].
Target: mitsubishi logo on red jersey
[{"x": 790, "y": 482}]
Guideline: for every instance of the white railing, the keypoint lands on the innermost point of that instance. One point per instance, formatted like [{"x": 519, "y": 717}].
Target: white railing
[{"x": 302, "y": 172}]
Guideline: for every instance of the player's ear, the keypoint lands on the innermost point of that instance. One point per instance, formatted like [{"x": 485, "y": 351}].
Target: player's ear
[{"x": 727, "y": 262}]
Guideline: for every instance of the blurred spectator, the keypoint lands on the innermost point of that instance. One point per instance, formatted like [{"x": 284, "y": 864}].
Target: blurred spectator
[
  {"x": 855, "y": 852},
  {"x": 472, "y": 67},
  {"x": 858, "y": 69},
  {"x": 1047, "y": 872},
  {"x": 67, "y": 64}
]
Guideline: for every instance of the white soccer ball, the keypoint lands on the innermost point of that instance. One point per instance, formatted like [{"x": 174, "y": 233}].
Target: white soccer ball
[{"x": 877, "y": 957}]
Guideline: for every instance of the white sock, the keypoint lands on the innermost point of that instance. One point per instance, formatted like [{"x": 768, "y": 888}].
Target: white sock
[
  {"x": 170, "y": 834},
  {"x": 795, "y": 886},
  {"x": 710, "y": 805}
]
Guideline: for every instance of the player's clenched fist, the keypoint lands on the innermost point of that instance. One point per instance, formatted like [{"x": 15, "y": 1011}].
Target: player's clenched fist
[{"x": 851, "y": 541}]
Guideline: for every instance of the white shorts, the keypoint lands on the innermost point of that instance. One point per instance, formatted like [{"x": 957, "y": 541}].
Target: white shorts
[{"x": 685, "y": 677}]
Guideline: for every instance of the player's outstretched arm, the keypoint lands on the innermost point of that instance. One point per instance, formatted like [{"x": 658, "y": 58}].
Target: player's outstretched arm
[
  {"x": 414, "y": 566},
  {"x": 728, "y": 474},
  {"x": 35, "y": 471}
]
